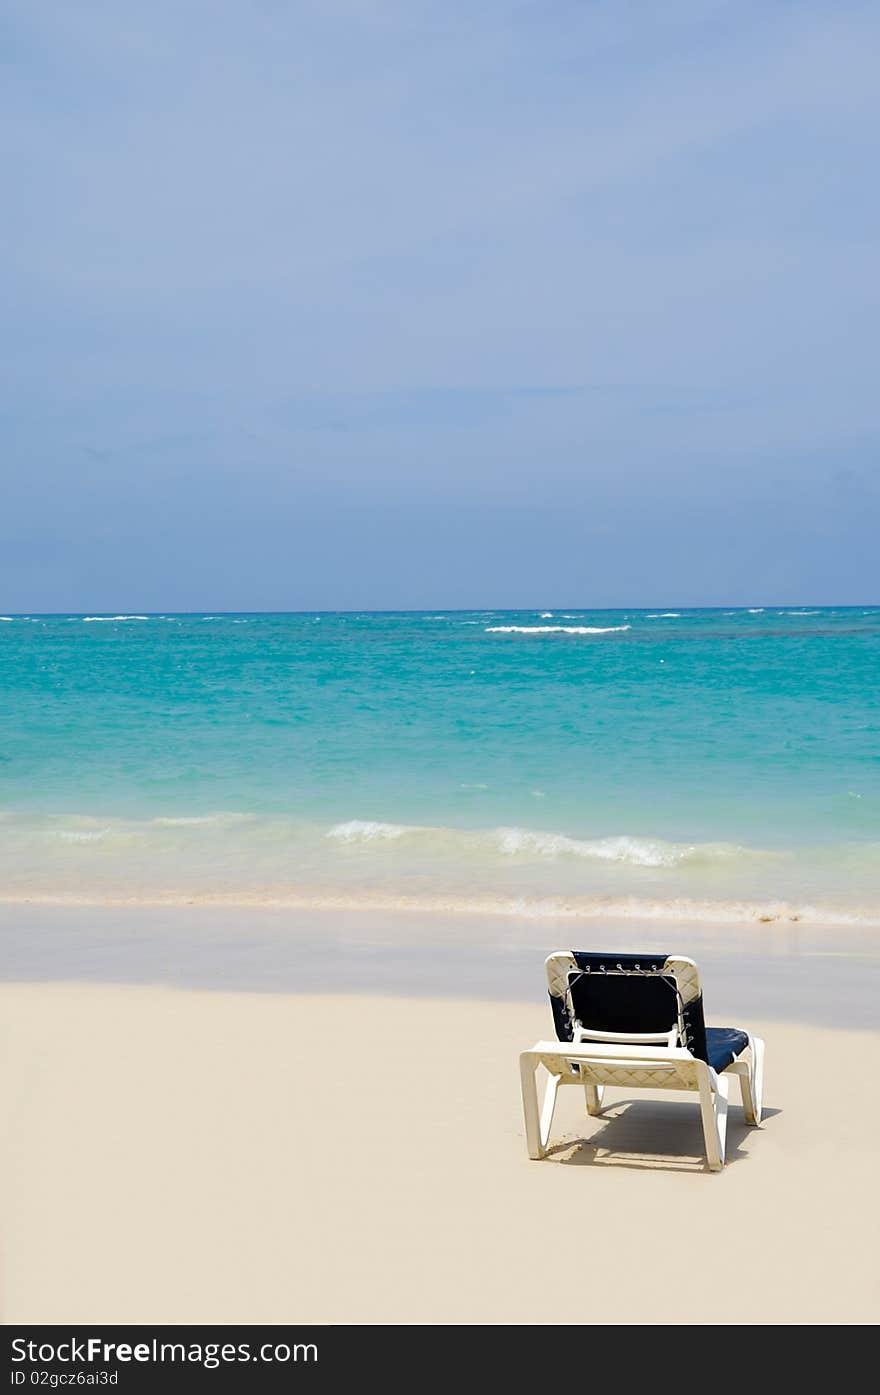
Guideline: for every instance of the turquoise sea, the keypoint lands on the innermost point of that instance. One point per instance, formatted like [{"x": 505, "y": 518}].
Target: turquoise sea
[{"x": 702, "y": 763}]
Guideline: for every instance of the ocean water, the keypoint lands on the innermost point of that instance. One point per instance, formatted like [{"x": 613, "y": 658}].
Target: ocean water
[{"x": 699, "y": 763}]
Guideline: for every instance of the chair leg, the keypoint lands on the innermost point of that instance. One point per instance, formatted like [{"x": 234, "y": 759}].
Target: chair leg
[
  {"x": 751, "y": 1080},
  {"x": 537, "y": 1123},
  {"x": 528, "y": 1066},
  {"x": 756, "y": 1080},
  {"x": 721, "y": 1101},
  {"x": 713, "y": 1108},
  {"x": 548, "y": 1109},
  {"x": 595, "y": 1095}
]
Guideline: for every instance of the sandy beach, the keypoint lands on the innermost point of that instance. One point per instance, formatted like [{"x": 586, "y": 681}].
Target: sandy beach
[
  {"x": 180, "y": 1155},
  {"x": 439, "y": 530}
]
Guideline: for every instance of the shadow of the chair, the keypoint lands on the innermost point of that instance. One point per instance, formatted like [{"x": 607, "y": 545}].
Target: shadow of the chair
[{"x": 652, "y": 1135}]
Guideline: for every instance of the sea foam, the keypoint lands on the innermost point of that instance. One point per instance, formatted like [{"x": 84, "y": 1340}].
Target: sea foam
[
  {"x": 369, "y": 831},
  {"x": 90, "y": 835},
  {"x": 637, "y": 852},
  {"x": 526, "y": 908},
  {"x": 537, "y": 844}
]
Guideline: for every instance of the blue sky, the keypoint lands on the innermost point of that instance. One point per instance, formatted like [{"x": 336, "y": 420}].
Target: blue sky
[{"x": 407, "y": 304}]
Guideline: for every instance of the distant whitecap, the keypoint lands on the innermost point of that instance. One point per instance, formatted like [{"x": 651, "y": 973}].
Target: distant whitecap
[{"x": 555, "y": 629}]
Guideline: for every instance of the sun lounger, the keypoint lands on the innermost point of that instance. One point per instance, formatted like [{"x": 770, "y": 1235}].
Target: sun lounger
[{"x": 637, "y": 1021}]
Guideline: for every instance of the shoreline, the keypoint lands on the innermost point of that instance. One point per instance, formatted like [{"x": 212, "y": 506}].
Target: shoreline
[{"x": 623, "y": 908}]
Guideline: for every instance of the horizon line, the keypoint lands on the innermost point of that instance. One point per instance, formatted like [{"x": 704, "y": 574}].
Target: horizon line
[{"x": 453, "y": 610}]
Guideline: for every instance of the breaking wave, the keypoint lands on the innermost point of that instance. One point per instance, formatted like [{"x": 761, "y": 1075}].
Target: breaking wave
[
  {"x": 637, "y": 852},
  {"x": 535, "y": 844},
  {"x": 243, "y": 858},
  {"x": 368, "y": 831}
]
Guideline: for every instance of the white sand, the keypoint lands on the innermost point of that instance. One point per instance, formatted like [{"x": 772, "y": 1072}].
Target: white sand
[{"x": 217, "y": 1157}]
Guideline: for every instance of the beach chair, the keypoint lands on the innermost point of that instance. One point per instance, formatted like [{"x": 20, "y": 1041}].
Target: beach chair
[{"x": 636, "y": 1020}]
